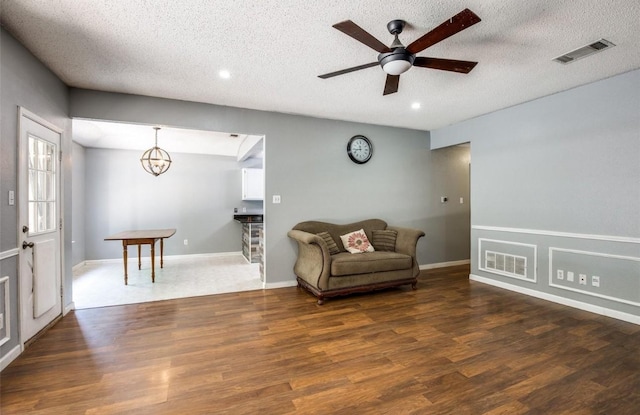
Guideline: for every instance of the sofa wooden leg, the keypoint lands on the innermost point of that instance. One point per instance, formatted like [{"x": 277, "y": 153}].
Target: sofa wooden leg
[
  {"x": 414, "y": 285},
  {"x": 320, "y": 300}
]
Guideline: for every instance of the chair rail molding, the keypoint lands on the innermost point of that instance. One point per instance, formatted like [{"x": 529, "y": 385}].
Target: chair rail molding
[{"x": 610, "y": 238}]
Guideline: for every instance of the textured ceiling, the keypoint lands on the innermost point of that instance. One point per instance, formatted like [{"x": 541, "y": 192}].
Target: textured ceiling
[{"x": 275, "y": 49}]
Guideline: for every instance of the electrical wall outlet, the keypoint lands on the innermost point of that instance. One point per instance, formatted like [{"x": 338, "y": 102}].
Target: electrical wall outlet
[
  {"x": 583, "y": 279},
  {"x": 595, "y": 281},
  {"x": 560, "y": 274},
  {"x": 186, "y": 242},
  {"x": 277, "y": 199},
  {"x": 570, "y": 276}
]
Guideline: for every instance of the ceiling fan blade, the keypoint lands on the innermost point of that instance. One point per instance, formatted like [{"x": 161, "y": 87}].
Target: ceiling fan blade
[
  {"x": 351, "y": 29},
  {"x": 457, "y": 23},
  {"x": 344, "y": 71},
  {"x": 391, "y": 86},
  {"x": 444, "y": 64}
]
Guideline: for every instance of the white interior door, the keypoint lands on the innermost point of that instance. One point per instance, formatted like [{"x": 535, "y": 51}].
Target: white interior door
[{"x": 39, "y": 224}]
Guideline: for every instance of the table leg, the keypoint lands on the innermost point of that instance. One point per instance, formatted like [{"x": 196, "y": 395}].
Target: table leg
[
  {"x": 139, "y": 262},
  {"x": 153, "y": 261},
  {"x": 161, "y": 252},
  {"x": 124, "y": 255}
]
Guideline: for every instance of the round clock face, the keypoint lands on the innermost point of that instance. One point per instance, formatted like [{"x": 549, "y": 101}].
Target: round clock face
[{"x": 359, "y": 149}]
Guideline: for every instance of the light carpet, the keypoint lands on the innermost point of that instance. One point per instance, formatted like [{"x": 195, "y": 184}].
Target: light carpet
[{"x": 100, "y": 284}]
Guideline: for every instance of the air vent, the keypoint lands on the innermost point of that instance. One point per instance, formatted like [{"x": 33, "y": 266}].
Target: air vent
[
  {"x": 584, "y": 51},
  {"x": 505, "y": 264},
  {"x": 233, "y": 135}
]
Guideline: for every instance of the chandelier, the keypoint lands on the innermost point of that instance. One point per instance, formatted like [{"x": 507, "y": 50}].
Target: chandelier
[{"x": 155, "y": 160}]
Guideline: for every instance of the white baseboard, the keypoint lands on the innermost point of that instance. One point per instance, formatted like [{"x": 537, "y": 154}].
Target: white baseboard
[
  {"x": 281, "y": 284},
  {"x": 10, "y": 357},
  {"x": 445, "y": 264},
  {"x": 631, "y": 318},
  {"x": 78, "y": 266},
  {"x": 69, "y": 307},
  {"x": 134, "y": 258}
]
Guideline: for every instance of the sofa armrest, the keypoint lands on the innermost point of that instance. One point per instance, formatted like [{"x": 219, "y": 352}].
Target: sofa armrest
[
  {"x": 406, "y": 243},
  {"x": 314, "y": 261}
]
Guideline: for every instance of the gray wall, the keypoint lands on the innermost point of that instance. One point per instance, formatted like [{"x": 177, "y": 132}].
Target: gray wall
[
  {"x": 26, "y": 82},
  {"x": 196, "y": 196},
  {"x": 562, "y": 174},
  {"x": 306, "y": 163},
  {"x": 78, "y": 206}
]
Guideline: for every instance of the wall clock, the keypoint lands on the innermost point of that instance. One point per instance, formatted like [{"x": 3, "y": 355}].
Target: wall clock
[{"x": 359, "y": 149}]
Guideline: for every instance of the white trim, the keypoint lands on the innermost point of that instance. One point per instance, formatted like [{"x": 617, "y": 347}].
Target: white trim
[
  {"x": 631, "y": 318},
  {"x": 165, "y": 257},
  {"x": 626, "y": 239},
  {"x": 445, "y": 264},
  {"x": 591, "y": 293},
  {"x": 281, "y": 284},
  {"x": 7, "y": 316},
  {"x": 23, "y": 112},
  {"x": 10, "y": 357},
  {"x": 69, "y": 307},
  {"x": 576, "y": 251},
  {"x": 78, "y": 266},
  {"x": 10, "y": 253}
]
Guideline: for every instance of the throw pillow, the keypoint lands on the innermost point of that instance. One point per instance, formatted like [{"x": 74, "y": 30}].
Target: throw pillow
[
  {"x": 331, "y": 244},
  {"x": 384, "y": 240},
  {"x": 357, "y": 242}
]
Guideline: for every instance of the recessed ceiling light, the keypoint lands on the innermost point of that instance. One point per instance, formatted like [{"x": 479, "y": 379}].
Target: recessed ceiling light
[
  {"x": 415, "y": 106},
  {"x": 224, "y": 74}
]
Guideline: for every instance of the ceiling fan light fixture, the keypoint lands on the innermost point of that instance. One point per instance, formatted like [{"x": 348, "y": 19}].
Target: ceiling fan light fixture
[
  {"x": 397, "y": 61},
  {"x": 396, "y": 67}
]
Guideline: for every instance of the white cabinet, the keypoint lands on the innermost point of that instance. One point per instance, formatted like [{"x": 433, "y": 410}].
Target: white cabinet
[{"x": 252, "y": 184}]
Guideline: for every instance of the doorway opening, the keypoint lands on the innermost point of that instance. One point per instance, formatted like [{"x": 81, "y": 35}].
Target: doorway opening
[{"x": 198, "y": 196}]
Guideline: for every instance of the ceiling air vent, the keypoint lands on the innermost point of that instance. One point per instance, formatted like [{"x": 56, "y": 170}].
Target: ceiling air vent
[{"x": 584, "y": 51}]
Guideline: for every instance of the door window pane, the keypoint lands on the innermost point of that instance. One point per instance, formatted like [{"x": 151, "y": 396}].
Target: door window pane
[{"x": 42, "y": 191}]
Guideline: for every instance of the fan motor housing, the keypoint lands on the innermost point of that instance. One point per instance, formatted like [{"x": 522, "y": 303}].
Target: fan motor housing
[{"x": 396, "y": 55}]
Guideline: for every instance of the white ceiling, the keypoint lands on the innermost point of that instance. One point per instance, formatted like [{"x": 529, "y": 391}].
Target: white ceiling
[
  {"x": 101, "y": 134},
  {"x": 275, "y": 49}
]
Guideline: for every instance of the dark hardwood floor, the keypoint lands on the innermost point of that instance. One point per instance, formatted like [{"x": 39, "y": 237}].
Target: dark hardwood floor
[{"x": 450, "y": 347}]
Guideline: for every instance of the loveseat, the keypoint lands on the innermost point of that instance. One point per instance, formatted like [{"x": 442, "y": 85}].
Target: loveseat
[{"x": 326, "y": 268}]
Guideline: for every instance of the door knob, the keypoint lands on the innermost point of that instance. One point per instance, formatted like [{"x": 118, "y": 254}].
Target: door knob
[
  {"x": 25, "y": 229},
  {"x": 26, "y": 245}
]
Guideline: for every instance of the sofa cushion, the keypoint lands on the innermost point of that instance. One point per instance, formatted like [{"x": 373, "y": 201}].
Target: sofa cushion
[
  {"x": 384, "y": 240},
  {"x": 357, "y": 242},
  {"x": 335, "y": 230},
  {"x": 331, "y": 244},
  {"x": 379, "y": 261}
]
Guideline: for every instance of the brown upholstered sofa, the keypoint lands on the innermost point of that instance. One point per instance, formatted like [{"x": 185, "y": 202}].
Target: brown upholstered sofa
[{"x": 328, "y": 275}]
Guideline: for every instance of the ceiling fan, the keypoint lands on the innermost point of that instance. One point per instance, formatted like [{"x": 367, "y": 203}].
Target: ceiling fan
[{"x": 396, "y": 59}]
